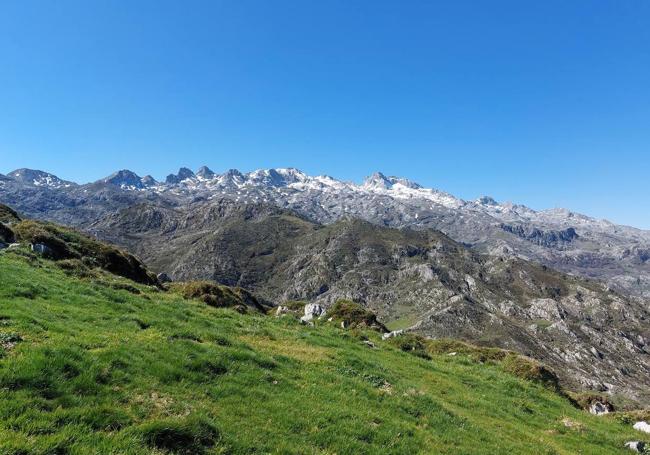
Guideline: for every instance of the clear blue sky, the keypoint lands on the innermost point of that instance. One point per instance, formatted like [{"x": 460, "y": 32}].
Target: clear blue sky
[{"x": 545, "y": 103}]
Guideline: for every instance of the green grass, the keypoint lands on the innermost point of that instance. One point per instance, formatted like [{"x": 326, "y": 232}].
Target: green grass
[
  {"x": 99, "y": 364},
  {"x": 402, "y": 323}
]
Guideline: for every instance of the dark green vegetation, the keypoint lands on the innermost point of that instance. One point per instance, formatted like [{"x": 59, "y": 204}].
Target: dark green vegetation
[
  {"x": 94, "y": 363},
  {"x": 354, "y": 316},
  {"x": 219, "y": 296},
  {"x": 67, "y": 244},
  {"x": 8, "y": 215}
]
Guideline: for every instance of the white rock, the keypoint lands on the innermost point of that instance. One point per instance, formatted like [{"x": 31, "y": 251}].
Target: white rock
[
  {"x": 599, "y": 408},
  {"x": 637, "y": 446},
  {"x": 41, "y": 249},
  {"x": 281, "y": 310},
  {"x": 642, "y": 426},
  {"x": 392, "y": 334},
  {"x": 313, "y": 310}
]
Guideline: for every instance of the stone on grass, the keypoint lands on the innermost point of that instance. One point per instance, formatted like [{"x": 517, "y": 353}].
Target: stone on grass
[
  {"x": 637, "y": 446},
  {"x": 313, "y": 310},
  {"x": 600, "y": 408},
  {"x": 392, "y": 334},
  {"x": 642, "y": 426}
]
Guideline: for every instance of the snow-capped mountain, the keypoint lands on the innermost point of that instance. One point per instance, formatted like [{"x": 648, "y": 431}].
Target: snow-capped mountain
[
  {"x": 38, "y": 178},
  {"x": 559, "y": 238}
]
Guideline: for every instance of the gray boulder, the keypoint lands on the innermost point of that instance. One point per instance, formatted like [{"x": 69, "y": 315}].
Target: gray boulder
[
  {"x": 599, "y": 408},
  {"x": 42, "y": 249},
  {"x": 312, "y": 310},
  {"x": 164, "y": 278}
]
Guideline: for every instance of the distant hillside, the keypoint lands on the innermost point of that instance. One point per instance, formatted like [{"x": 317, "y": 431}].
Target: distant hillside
[
  {"x": 91, "y": 363},
  {"x": 596, "y": 338}
]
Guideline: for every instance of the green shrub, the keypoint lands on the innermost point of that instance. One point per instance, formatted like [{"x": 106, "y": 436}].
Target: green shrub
[
  {"x": 6, "y": 234},
  {"x": 8, "y": 215},
  {"x": 477, "y": 353},
  {"x": 68, "y": 244},
  {"x": 354, "y": 315},
  {"x": 216, "y": 295},
  {"x": 411, "y": 343},
  {"x": 531, "y": 370}
]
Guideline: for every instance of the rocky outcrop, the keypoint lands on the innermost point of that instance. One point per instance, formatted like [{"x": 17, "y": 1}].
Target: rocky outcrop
[
  {"x": 548, "y": 239},
  {"x": 312, "y": 311}
]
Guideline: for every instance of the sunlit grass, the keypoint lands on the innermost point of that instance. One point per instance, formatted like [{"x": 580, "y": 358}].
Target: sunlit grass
[{"x": 99, "y": 369}]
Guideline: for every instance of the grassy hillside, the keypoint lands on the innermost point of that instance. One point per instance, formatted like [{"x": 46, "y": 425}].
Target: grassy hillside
[{"x": 100, "y": 364}]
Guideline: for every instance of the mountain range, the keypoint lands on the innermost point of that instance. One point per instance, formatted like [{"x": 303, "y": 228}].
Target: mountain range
[{"x": 559, "y": 238}]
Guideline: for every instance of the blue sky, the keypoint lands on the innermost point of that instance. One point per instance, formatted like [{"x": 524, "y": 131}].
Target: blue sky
[{"x": 543, "y": 103}]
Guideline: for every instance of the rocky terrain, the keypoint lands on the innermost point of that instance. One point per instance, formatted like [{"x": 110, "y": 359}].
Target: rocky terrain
[
  {"x": 419, "y": 279},
  {"x": 561, "y": 239}
]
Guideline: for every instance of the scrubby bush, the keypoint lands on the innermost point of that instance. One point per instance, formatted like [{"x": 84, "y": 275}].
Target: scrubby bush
[
  {"x": 218, "y": 296},
  {"x": 531, "y": 370},
  {"x": 584, "y": 400},
  {"x": 8, "y": 215},
  {"x": 354, "y": 315},
  {"x": 66, "y": 244},
  {"x": 478, "y": 353},
  {"x": 413, "y": 344},
  {"x": 6, "y": 234}
]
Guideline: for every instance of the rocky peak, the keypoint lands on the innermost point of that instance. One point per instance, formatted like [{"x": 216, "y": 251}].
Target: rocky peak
[
  {"x": 38, "y": 178},
  {"x": 487, "y": 200},
  {"x": 405, "y": 182},
  {"x": 183, "y": 174},
  {"x": 277, "y": 177},
  {"x": 205, "y": 172},
  {"x": 124, "y": 178},
  {"x": 148, "y": 181},
  {"x": 377, "y": 181}
]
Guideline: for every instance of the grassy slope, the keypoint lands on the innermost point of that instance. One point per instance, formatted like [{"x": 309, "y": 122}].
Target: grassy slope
[{"x": 101, "y": 370}]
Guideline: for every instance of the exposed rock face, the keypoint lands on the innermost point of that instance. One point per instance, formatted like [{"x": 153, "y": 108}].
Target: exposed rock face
[
  {"x": 539, "y": 237},
  {"x": 125, "y": 179},
  {"x": 164, "y": 278},
  {"x": 312, "y": 311},
  {"x": 593, "y": 337},
  {"x": 42, "y": 249},
  {"x": 599, "y": 408}
]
